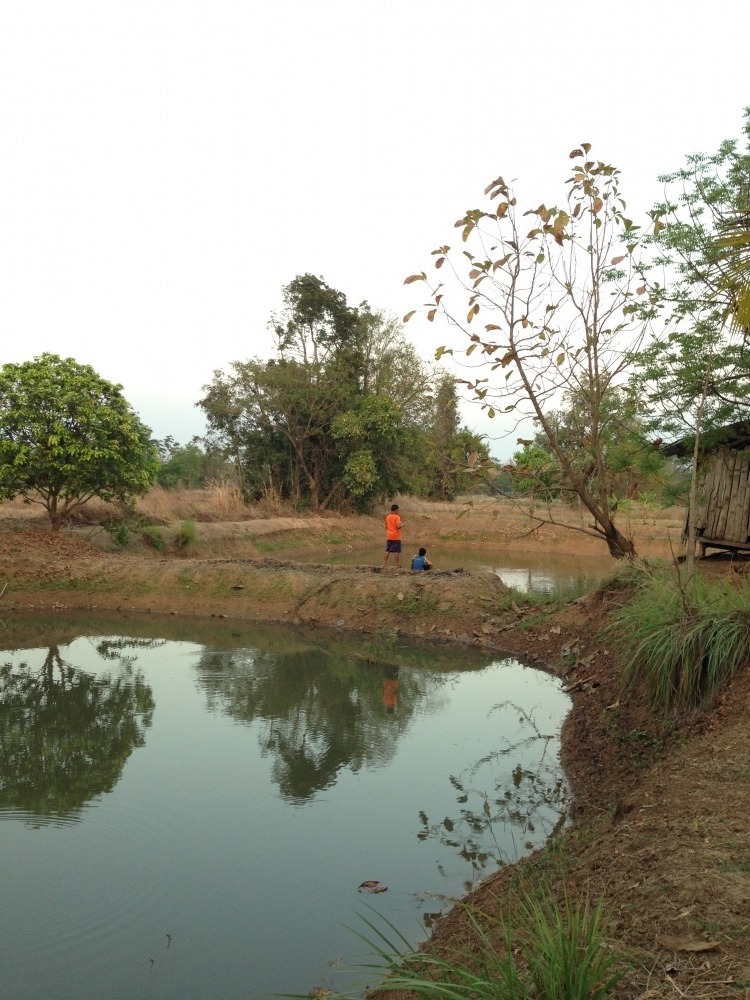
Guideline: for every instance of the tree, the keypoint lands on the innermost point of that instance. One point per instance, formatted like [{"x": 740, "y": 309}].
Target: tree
[
  {"x": 67, "y": 435},
  {"x": 327, "y": 421},
  {"x": 558, "y": 303},
  {"x": 695, "y": 371},
  {"x": 190, "y": 465}
]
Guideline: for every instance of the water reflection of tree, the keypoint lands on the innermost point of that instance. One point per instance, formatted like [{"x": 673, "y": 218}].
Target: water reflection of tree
[
  {"x": 320, "y": 712},
  {"x": 66, "y": 734},
  {"x": 527, "y": 802}
]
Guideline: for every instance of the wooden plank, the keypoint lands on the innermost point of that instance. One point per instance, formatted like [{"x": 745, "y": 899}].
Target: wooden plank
[
  {"x": 744, "y": 498},
  {"x": 727, "y": 458},
  {"x": 715, "y": 502},
  {"x": 734, "y": 511},
  {"x": 720, "y": 543},
  {"x": 710, "y": 505}
]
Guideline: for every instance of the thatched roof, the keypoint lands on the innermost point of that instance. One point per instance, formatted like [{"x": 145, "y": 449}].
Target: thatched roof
[{"x": 735, "y": 436}]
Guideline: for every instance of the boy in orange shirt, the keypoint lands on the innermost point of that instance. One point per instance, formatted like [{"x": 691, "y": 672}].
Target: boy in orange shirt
[{"x": 393, "y": 525}]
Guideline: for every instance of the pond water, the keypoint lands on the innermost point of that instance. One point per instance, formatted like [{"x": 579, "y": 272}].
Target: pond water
[
  {"x": 188, "y": 813},
  {"x": 543, "y": 573}
]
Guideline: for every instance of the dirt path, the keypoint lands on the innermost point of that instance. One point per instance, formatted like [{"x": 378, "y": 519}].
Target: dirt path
[{"x": 660, "y": 832}]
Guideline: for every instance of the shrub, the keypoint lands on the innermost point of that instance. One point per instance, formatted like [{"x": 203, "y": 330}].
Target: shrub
[
  {"x": 683, "y": 641},
  {"x": 119, "y": 532},
  {"x": 185, "y": 536},
  {"x": 152, "y": 536}
]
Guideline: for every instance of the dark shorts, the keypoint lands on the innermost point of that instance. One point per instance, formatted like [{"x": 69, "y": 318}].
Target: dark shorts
[{"x": 392, "y": 546}]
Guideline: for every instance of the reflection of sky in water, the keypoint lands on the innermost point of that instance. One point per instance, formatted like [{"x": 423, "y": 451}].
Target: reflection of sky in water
[{"x": 273, "y": 781}]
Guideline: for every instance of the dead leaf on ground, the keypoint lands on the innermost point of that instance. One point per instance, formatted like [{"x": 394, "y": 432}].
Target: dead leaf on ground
[
  {"x": 570, "y": 649},
  {"x": 677, "y": 943}
]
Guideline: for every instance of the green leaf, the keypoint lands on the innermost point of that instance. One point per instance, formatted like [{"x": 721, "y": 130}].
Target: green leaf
[{"x": 415, "y": 277}]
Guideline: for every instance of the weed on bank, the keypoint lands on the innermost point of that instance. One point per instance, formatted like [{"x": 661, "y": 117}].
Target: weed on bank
[{"x": 683, "y": 640}]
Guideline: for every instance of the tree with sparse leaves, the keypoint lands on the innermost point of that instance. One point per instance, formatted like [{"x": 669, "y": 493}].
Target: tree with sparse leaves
[
  {"x": 67, "y": 435},
  {"x": 548, "y": 306}
]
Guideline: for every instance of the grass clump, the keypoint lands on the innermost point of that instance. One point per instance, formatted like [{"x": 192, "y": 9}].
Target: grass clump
[
  {"x": 186, "y": 536},
  {"x": 683, "y": 640},
  {"x": 543, "y": 948},
  {"x": 152, "y": 536},
  {"x": 119, "y": 532}
]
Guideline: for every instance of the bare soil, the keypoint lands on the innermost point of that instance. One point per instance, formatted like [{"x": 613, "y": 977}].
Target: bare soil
[{"x": 660, "y": 812}]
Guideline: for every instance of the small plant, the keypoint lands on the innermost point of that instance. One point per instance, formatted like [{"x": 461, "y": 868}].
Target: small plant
[
  {"x": 185, "y": 536},
  {"x": 152, "y": 536},
  {"x": 119, "y": 532},
  {"x": 683, "y": 641},
  {"x": 541, "y": 948}
]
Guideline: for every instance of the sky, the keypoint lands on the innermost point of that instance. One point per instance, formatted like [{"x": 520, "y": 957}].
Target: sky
[{"x": 169, "y": 165}]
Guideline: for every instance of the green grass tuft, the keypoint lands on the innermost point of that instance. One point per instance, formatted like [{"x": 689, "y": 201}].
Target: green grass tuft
[
  {"x": 683, "y": 641},
  {"x": 546, "y": 950}
]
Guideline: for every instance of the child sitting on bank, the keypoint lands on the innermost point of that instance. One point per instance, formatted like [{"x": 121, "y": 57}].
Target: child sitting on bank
[{"x": 421, "y": 562}]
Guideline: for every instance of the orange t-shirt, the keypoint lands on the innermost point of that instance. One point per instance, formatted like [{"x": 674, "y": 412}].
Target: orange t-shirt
[{"x": 393, "y": 527}]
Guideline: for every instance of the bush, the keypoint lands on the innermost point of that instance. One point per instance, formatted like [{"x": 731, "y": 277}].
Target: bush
[
  {"x": 152, "y": 536},
  {"x": 119, "y": 532},
  {"x": 185, "y": 536},
  {"x": 683, "y": 641}
]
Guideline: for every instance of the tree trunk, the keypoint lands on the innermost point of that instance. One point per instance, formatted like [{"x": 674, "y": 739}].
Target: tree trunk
[
  {"x": 55, "y": 515},
  {"x": 619, "y": 546}
]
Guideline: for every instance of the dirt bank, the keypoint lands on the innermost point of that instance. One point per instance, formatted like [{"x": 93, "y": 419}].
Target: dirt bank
[{"x": 660, "y": 832}]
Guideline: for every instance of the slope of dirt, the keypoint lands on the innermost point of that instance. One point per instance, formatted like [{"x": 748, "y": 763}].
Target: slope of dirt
[{"x": 660, "y": 831}]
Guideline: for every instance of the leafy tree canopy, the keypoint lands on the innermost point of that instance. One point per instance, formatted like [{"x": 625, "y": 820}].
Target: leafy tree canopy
[
  {"x": 67, "y": 435},
  {"x": 344, "y": 415},
  {"x": 695, "y": 371}
]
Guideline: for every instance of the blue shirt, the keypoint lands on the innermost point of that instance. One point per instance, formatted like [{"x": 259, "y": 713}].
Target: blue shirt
[{"x": 418, "y": 563}]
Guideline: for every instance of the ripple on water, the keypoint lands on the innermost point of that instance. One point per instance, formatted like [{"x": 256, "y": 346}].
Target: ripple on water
[{"x": 105, "y": 889}]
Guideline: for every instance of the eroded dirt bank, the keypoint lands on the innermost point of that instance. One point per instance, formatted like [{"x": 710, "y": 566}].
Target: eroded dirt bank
[{"x": 661, "y": 830}]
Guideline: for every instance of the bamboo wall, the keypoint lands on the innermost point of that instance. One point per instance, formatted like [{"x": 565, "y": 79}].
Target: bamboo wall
[{"x": 725, "y": 508}]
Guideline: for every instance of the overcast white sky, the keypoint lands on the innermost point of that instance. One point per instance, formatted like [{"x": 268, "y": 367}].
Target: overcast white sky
[{"x": 168, "y": 165}]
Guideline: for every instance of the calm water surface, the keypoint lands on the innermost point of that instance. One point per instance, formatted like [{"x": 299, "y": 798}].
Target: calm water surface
[{"x": 189, "y": 815}]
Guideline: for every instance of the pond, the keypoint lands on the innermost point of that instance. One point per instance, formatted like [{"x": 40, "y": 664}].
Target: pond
[{"x": 190, "y": 811}]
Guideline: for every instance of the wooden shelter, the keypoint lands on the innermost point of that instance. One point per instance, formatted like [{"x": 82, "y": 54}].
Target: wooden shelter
[{"x": 723, "y": 520}]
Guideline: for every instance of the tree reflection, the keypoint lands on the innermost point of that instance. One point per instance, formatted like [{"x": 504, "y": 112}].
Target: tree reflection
[
  {"x": 65, "y": 734},
  {"x": 526, "y": 803},
  {"x": 320, "y": 711}
]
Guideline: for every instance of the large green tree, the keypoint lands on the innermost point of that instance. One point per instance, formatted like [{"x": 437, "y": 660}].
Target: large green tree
[
  {"x": 695, "y": 372},
  {"x": 546, "y": 300},
  {"x": 328, "y": 420},
  {"x": 67, "y": 435}
]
